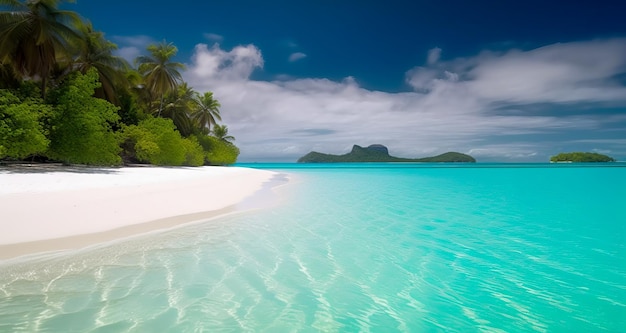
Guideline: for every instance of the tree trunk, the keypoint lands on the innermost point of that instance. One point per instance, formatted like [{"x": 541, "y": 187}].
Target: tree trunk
[{"x": 161, "y": 106}]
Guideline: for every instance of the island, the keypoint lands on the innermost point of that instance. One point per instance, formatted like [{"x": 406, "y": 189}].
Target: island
[
  {"x": 379, "y": 153},
  {"x": 580, "y": 157}
]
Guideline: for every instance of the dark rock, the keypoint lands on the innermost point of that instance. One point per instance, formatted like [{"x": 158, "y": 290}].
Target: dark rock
[{"x": 379, "y": 153}]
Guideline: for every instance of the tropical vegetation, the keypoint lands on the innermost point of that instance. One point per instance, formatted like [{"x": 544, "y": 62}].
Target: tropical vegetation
[
  {"x": 581, "y": 157},
  {"x": 65, "y": 96}
]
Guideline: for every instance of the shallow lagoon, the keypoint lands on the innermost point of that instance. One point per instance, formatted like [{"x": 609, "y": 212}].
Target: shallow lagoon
[{"x": 368, "y": 247}]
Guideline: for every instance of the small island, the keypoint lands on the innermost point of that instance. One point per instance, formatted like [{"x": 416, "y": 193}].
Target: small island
[
  {"x": 580, "y": 157},
  {"x": 379, "y": 153}
]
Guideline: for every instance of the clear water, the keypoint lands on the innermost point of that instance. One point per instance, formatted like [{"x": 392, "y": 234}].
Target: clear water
[{"x": 378, "y": 248}]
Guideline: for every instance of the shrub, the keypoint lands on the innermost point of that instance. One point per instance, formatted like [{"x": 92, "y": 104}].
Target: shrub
[
  {"x": 21, "y": 133},
  {"x": 80, "y": 129},
  {"x": 218, "y": 152},
  {"x": 194, "y": 155},
  {"x": 156, "y": 141}
]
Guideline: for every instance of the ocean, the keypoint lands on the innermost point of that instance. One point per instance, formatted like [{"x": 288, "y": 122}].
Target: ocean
[{"x": 357, "y": 248}]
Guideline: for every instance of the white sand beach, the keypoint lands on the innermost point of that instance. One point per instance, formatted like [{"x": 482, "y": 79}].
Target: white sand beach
[{"x": 47, "y": 209}]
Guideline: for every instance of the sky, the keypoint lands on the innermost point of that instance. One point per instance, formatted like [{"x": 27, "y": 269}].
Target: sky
[{"x": 503, "y": 81}]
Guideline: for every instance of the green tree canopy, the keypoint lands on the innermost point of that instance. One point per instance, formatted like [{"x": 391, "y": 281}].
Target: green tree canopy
[
  {"x": 81, "y": 129},
  {"x": 35, "y": 35},
  {"x": 156, "y": 141},
  {"x": 221, "y": 132},
  {"x": 178, "y": 105},
  {"x": 21, "y": 133},
  {"x": 161, "y": 74},
  {"x": 97, "y": 52},
  {"x": 69, "y": 98},
  {"x": 218, "y": 152},
  {"x": 206, "y": 112}
]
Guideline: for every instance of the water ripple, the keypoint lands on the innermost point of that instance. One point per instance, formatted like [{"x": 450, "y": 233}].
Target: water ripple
[{"x": 413, "y": 251}]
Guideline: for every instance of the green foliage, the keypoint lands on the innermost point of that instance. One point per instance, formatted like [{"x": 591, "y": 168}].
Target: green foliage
[
  {"x": 207, "y": 111},
  {"x": 80, "y": 129},
  {"x": 218, "y": 152},
  {"x": 221, "y": 132},
  {"x": 376, "y": 154},
  {"x": 44, "y": 45},
  {"x": 194, "y": 155},
  {"x": 21, "y": 133},
  {"x": 161, "y": 75},
  {"x": 156, "y": 141},
  {"x": 129, "y": 108},
  {"x": 35, "y": 35},
  {"x": 581, "y": 157},
  {"x": 97, "y": 52},
  {"x": 177, "y": 106}
]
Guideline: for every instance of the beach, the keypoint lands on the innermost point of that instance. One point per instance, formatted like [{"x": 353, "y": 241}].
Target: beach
[{"x": 58, "y": 208}]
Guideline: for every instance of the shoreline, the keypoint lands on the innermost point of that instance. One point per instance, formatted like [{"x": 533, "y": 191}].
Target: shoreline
[{"x": 63, "y": 208}]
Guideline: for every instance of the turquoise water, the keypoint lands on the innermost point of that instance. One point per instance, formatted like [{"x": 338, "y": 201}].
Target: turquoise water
[{"x": 378, "y": 248}]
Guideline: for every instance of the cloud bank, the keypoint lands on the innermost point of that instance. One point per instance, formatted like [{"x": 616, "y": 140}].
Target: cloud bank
[{"x": 513, "y": 105}]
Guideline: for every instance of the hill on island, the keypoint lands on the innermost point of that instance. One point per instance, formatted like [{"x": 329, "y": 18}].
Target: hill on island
[
  {"x": 379, "y": 153},
  {"x": 581, "y": 157}
]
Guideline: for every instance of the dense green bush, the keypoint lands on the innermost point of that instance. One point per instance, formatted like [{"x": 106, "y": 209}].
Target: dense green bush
[
  {"x": 194, "y": 155},
  {"x": 156, "y": 141},
  {"x": 80, "y": 127},
  {"x": 21, "y": 133},
  {"x": 218, "y": 152}
]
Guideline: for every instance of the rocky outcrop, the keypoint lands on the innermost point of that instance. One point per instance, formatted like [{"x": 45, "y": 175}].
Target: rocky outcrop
[{"x": 379, "y": 153}]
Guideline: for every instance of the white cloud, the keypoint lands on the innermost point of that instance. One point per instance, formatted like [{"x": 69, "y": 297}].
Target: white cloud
[
  {"x": 422, "y": 78},
  {"x": 213, "y": 37},
  {"x": 456, "y": 106},
  {"x": 211, "y": 64},
  {"x": 433, "y": 56},
  {"x": 296, "y": 56},
  {"x": 568, "y": 72}
]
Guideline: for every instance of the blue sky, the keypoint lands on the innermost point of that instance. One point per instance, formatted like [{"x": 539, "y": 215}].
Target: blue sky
[{"x": 507, "y": 81}]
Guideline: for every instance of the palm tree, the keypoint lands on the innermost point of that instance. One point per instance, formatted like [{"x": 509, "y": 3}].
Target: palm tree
[
  {"x": 35, "y": 35},
  {"x": 207, "y": 111},
  {"x": 97, "y": 52},
  {"x": 221, "y": 132},
  {"x": 161, "y": 74},
  {"x": 178, "y": 105}
]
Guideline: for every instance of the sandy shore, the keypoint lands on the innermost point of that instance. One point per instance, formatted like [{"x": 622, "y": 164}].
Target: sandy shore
[{"x": 47, "y": 209}]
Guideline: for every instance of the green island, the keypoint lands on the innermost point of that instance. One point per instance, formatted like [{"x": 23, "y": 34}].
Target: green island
[
  {"x": 580, "y": 157},
  {"x": 65, "y": 97},
  {"x": 379, "y": 153}
]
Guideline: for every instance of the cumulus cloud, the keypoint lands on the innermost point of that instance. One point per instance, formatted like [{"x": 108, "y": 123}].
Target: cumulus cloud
[
  {"x": 296, "y": 56},
  {"x": 456, "y": 104},
  {"x": 214, "y": 64}
]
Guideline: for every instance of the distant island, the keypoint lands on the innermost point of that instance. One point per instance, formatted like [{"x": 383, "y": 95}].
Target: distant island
[
  {"x": 580, "y": 157},
  {"x": 379, "y": 153}
]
